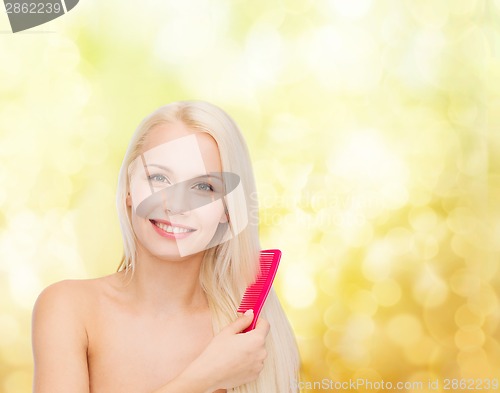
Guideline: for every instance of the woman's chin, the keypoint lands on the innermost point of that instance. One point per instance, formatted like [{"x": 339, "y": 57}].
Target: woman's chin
[{"x": 177, "y": 254}]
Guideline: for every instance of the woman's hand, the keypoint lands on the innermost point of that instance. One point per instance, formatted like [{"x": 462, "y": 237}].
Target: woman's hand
[{"x": 232, "y": 358}]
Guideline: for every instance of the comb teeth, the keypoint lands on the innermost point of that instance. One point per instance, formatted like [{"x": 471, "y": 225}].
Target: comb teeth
[
  {"x": 256, "y": 294},
  {"x": 254, "y": 291}
]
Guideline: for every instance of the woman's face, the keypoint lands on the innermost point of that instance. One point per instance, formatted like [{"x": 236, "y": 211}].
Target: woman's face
[{"x": 176, "y": 192}]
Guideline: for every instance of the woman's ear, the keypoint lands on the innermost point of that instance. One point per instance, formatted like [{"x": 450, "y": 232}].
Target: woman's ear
[{"x": 128, "y": 199}]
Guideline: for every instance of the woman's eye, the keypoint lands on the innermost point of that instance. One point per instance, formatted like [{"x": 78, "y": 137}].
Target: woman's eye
[
  {"x": 158, "y": 178},
  {"x": 204, "y": 187}
]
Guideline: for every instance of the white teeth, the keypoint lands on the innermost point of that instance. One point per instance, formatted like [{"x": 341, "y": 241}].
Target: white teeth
[{"x": 171, "y": 229}]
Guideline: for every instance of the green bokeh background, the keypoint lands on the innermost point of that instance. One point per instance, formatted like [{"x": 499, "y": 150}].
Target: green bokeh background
[{"x": 374, "y": 129}]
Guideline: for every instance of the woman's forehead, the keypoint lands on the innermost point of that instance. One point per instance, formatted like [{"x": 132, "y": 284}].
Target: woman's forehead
[
  {"x": 167, "y": 132},
  {"x": 174, "y": 143}
]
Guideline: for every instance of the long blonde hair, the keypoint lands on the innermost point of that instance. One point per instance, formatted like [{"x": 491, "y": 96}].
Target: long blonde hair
[{"x": 229, "y": 267}]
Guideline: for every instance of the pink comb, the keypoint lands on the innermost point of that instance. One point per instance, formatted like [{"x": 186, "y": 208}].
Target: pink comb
[{"x": 256, "y": 293}]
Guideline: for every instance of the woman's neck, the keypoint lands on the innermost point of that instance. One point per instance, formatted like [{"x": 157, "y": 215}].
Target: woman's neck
[{"x": 167, "y": 286}]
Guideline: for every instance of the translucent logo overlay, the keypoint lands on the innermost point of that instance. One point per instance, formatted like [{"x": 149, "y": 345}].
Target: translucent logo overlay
[
  {"x": 177, "y": 188},
  {"x": 25, "y": 14}
]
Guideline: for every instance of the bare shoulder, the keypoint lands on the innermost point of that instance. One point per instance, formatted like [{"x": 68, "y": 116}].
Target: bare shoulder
[
  {"x": 66, "y": 291},
  {"x": 64, "y": 304},
  {"x": 61, "y": 318},
  {"x": 76, "y": 298},
  {"x": 70, "y": 301},
  {"x": 71, "y": 294}
]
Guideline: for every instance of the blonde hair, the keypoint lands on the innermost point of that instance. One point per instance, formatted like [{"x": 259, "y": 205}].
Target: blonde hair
[{"x": 228, "y": 268}]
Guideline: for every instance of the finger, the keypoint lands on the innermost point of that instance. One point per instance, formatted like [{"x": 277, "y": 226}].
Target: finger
[
  {"x": 240, "y": 324},
  {"x": 262, "y": 326}
]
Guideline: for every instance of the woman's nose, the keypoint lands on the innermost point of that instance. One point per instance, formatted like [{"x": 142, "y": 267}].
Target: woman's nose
[{"x": 176, "y": 201}]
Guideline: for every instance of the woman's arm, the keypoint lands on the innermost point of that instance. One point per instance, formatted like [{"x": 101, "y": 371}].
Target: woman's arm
[
  {"x": 231, "y": 359},
  {"x": 60, "y": 349},
  {"x": 59, "y": 341}
]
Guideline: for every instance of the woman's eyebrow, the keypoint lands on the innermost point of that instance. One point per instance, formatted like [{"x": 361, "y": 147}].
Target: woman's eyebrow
[
  {"x": 209, "y": 175},
  {"x": 215, "y": 175},
  {"x": 158, "y": 166}
]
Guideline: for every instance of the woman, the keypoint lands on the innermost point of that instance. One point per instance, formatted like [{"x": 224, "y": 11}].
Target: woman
[{"x": 166, "y": 321}]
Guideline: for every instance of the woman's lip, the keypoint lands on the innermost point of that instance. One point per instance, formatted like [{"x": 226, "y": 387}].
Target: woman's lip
[
  {"x": 165, "y": 222},
  {"x": 171, "y": 235}
]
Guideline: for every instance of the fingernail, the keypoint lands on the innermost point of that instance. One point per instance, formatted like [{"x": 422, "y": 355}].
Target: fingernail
[{"x": 248, "y": 312}]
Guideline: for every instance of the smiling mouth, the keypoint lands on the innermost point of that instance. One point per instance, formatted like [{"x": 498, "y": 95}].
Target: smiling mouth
[{"x": 170, "y": 230}]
